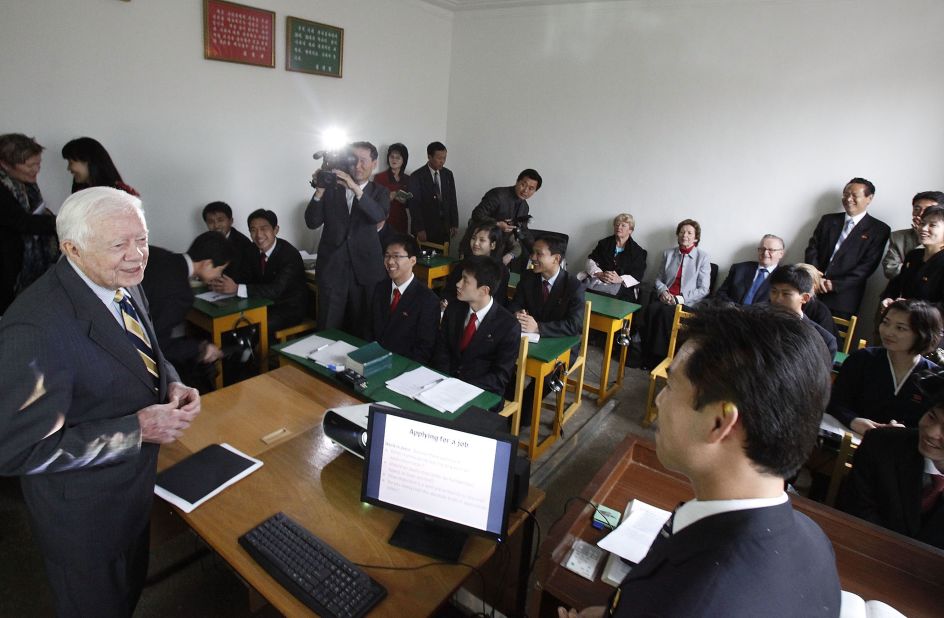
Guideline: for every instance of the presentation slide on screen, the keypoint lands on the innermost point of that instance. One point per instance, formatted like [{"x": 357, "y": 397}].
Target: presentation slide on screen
[{"x": 441, "y": 472}]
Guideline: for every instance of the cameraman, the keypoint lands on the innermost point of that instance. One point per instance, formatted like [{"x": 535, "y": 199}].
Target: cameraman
[
  {"x": 350, "y": 258},
  {"x": 509, "y": 207}
]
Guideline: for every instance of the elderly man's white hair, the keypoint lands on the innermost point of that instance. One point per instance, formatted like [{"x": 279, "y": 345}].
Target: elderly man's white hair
[{"x": 81, "y": 210}]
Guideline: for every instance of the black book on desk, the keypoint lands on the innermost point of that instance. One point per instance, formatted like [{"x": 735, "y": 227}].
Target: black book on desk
[{"x": 192, "y": 481}]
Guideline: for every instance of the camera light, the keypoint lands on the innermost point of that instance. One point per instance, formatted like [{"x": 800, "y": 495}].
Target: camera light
[{"x": 334, "y": 138}]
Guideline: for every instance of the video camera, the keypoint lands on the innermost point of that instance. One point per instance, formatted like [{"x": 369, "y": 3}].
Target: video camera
[
  {"x": 343, "y": 159},
  {"x": 518, "y": 222}
]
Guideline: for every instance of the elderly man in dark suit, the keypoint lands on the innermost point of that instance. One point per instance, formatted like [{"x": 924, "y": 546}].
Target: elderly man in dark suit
[
  {"x": 747, "y": 282},
  {"x": 350, "y": 262},
  {"x": 739, "y": 415},
  {"x": 897, "y": 476},
  {"x": 478, "y": 339},
  {"x": 276, "y": 272},
  {"x": 88, "y": 397},
  {"x": 508, "y": 207},
  {"x": 847, "y": 248},
  {"x": 405, "y": 313},
  {"x": 433, "y": 208}
]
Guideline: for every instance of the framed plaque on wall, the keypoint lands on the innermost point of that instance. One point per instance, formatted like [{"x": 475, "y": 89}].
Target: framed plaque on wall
[
  {"x": 238, "y": 33},
  {"x": 311, "y": 47}
]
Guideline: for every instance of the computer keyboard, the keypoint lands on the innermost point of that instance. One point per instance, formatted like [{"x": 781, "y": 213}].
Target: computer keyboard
[{"x": 310, "y": 569}]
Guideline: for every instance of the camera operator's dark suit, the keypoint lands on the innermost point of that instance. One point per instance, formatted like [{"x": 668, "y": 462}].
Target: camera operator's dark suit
[
  {"x": 350, "y": 258},
  {"x": 431, "y": 214},
  {"x": 499, "y": 204}
]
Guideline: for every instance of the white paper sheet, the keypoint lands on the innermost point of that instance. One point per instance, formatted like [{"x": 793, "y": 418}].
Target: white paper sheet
[
  {"x": 449, "y": 395},
  {"x": 334, "y": 354},
  {"x": 212, "y": 297},
  {"x": 308, "y": 346},
  {"x": 635, "y": 534},
  {"x": 412, "y": 383}
]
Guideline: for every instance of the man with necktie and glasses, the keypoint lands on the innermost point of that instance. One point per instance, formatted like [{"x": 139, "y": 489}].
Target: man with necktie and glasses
[
  {"x": 88, "y": 398},
  {"x": 747, "y": 282},
  {"x": 350, "y": 255},
  {"x": 739, "y": 414},
  {"x": 847, "y": 248}
]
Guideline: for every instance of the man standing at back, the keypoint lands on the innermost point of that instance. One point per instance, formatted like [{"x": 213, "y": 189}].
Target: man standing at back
[
  {"x": 847, "y": 248},
  {"x": 433, "y": 207},
  {"x": 902, "y": 241},
  {"x": 87, "y": 398},
  {"x": 740, "y": 414},
  {"x": 508, "y": 207},
  {"x": 350, "y": 258}
]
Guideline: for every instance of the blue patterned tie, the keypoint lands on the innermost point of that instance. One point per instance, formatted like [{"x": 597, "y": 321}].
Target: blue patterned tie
[
  {"x": 758, "y": 281},
  {"x": 135, "y": 332}
]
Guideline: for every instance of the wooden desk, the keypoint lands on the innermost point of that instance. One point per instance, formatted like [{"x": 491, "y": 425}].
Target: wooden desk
[
  {"x": 217, "y": 319},
  {"x": 542, "y": 357},
  {"x": 317, "y": 483},
  {"x": 872, "y": 562},
  {"x": 608, "y": 315},
  {"x": 377, "y": 384},
  {"x": 433, "y": 269}
]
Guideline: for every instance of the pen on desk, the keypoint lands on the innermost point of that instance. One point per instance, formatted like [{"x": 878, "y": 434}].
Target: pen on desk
[
  {"x": 429, "y": 386},
  {"x": 319, "y": 348}
]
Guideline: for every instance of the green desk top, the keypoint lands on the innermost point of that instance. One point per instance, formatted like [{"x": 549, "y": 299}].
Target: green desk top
[
  {"x": 611, "y": 307},
  {"x": 549, "y": 348},
  {"x": 377, "y": 384},
  {"x": 839, "y": 358},
  {"x": 513, "y": 279},
  {"x": 229, "y": 306},
  {"x": 439, "y": 260}
]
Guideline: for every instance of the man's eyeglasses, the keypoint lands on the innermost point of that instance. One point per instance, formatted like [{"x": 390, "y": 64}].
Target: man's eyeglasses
[
  {"x": 767, "y": 250},
  {"x": 390, "y": 256}
]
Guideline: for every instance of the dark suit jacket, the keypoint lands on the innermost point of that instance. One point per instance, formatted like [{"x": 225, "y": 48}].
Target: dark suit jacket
[
  {"x": 828, "y": 338},
  {"x": 562, "y": 314},
  {"x": 499, "y": 204},
  {"x": 411, "y": 329},
  {"x": 632, "y": 262},
  {"x": 167, "y": 286},
  {"x": 14, "y": 224},
  {"x": 918, "y": 279},
  {"x": 244, "y": 253},
  {"x": 349, "y": 245},
  {"x": 430, "y": 214},
  {"x": 704, "y": 569},
  {"x": 88, "y": 483},
  {"x": 819, "y": 313},
  {"x": 857, "y": 258},
  {"x": 864, "y": 388},
  {"x": 283, "y": 282},
  {"x": 489, "y": 360},
  {"x": 738, "y": 283},
  {"x": 885, "y": 486}
]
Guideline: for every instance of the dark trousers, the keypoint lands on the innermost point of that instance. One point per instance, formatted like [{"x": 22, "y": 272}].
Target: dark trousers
[
  {"x": 656, "y": 332},
  {"x": 95, "y": 590},
  {"x": 345, "y": 305}
]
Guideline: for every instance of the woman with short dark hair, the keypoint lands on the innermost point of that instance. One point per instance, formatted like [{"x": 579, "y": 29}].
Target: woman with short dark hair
[
  {"x": 28, "y": 243},
  {"x": 91, "y": 166},
  {"x": 876, "y": 386}
]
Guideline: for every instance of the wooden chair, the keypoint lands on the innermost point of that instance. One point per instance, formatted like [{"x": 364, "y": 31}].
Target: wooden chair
[
  {"x": 513, "y": 408},
  {"x": 845, "y": 330},
  {"x": 843, "y": 464},
  {"x": 661, "y": 370},
  {"x": 442, "y": 248},
  {"x": 305, "y": 326},
  {"x": 578, "y": 367}
]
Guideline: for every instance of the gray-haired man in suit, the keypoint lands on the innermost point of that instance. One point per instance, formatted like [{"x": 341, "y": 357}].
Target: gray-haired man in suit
[{"x": 88, "y": 397}]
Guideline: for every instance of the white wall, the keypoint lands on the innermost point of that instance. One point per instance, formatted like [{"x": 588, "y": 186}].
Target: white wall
[
  {"x": 186, "y": 131},
  {"x": 748, "y": 116}
]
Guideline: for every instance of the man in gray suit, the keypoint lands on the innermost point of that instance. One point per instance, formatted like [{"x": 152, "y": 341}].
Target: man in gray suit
[
  {"x": 350, "y": 257},
  {"x": 87, "y": 399},
  {"x": 902, "y": 241}
]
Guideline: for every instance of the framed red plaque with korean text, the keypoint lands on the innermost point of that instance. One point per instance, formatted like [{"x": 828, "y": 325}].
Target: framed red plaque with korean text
[{"x": 238, "y": 33}]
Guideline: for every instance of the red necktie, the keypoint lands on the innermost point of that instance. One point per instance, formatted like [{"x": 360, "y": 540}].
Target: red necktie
[
  {"x": 469, "y": 331},
  {"x": 262, "y": 262},
  {"x": 932, "y": 493},
  {"x": 546, "y": 291},
  {"x": 396, "y": 299}
]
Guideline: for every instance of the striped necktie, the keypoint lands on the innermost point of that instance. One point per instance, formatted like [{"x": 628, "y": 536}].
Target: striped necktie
[{"x": 135, "y": 331}]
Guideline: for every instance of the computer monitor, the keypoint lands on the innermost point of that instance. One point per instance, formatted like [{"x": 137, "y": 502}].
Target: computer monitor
[{"x": 448, "y": 482}]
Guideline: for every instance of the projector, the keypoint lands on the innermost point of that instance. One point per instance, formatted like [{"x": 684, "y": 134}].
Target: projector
[{"x": 347, "y": 427}]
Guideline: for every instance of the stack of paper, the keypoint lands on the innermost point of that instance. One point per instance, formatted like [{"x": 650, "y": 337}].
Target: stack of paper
[
  {"x": 333, "y": 355},
  {"x": 637, "y": 531},
  {"x": 308, "y": 346},
  {"x": 435, "y": 390}
]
